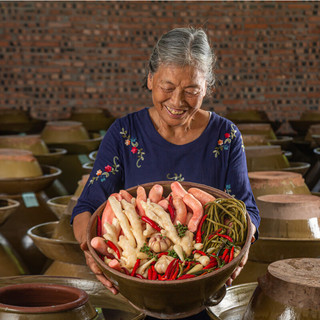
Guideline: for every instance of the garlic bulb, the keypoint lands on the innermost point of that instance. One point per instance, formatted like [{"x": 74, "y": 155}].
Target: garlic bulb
[
  {"x": 158, "y": 243},
  {"x": 162, "y": 264}
]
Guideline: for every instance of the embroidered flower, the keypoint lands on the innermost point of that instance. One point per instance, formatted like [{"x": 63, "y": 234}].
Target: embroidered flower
[
  {"x": 175, "y": 177},
  {"x": 134, "y": 146},
  {"x": 134, "y": 150},
  {"x": 108, "y": 168},
  {"x": 224, "y": 145}
]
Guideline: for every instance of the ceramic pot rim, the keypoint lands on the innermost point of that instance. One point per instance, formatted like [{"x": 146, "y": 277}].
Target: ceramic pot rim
[
  {"x": 31, "y": 234},
  {"x": 82, "y": 297},
  {"x": 288, "y": 239},
  {"x": 235, "y": 261},
  {"x": 11, "y": 203}
]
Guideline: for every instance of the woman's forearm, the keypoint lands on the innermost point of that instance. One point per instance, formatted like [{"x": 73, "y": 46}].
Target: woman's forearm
[{"x": 80, "y": 223}]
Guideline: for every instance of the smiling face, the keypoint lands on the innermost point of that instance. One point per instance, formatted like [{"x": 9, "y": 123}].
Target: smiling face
[{"x": 177, "y": 93}]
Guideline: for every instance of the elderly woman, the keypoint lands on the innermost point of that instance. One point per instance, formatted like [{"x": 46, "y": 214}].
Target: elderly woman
[{"x": 172, "y": 140}]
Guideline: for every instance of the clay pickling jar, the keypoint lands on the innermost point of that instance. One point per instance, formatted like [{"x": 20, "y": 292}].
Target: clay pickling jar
[
  {"x": 277, "y": 182},
  {"x": 72, "y": 136},
  {"x": 254, "y": 140},
  {"x": 290, "y": 289},
  {"x": 44, "y": 301},
  {"x": 264, "y": 129}
]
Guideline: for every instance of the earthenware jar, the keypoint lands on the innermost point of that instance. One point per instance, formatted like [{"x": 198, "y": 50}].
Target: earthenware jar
[
  {"x": 257, "y": 128},
  {"x": 39, "y": 301},
  {"x": 264, "y": 158},
  {"x": 169, "y": 299},
  {"x": 93, "y": 119},
  {"x": 59, "y": 205},
  {"x": 289, "y": 290},
  {"x": 277, "y": 182},
  {"x": 11, "y": 263},
  {"x": 289, "y": 216},
  {"x": 285, "y": 142},
  {"x": 254, "y": 140},
  {"x": 72, "y": 136},
  {"x": 16, "y": 163},
  {"x": 33, "y": 210},
  {"x": 247, "y": 116}
]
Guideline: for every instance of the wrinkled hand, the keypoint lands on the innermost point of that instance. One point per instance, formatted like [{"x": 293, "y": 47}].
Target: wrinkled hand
[
  {"x": 96, "y": 270},
  {"x": 243, "y": 261}
]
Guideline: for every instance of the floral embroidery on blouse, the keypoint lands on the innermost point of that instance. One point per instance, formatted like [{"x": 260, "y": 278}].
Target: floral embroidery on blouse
[
  {"x": 133, "y": 144},
  {"x": 228, "y": 190},
  {"x": 102, "y": 175},
  {"x": 175, "y": 177},
  {"x": 223, "y": 144}
]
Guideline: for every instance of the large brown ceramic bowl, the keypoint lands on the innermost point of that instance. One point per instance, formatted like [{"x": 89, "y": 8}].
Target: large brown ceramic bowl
[
  {"x": 169, "y": 299},
  {"x": 298, "y": 167},
  {"x": 59, "y": 204},
  {"x": 38, "y": 301},
  {"x": 7, "y": 207}
]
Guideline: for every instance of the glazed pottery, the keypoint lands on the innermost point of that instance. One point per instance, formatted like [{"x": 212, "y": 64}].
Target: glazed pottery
[
  {"x": 277, "y": 182},
  {"x": 93, "y": 155},
  {"x": 45, "y": 302},
  {"x": 32, "y": 211},
  {"x": 254, "y": 140},
  {"x": 285, "y": 142},
  {"x": 19, "y": 121},
  {"x": 10, "y": 262},
  {"x": 264, "y": 158},
  {"x": 168, "y": 299},
  {"x": 87, "y": 167},
  {"x": 59, "y": 205},
  {"x": 16, "y": 163},
  {"x": 298, "y": 167},
  {"x": 257, "y": 128},
  {"x": 234, "y": 304},
  {"x": 98, "y": 295},
  {"x": 289, "y": 290},
  {"x": 33, "y": 143},
  {"x": 93, "y": 119},
  {"x": 289, "y": 216}
]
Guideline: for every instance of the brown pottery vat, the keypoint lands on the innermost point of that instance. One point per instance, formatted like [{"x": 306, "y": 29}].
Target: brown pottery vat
[
  {"x": 168, "y": 299},
  {"x": 19, "y": 121},
  {"x": 254, "y": 140},
  {"x": 264, "y": 129},
  {"x": 289, "y": 290},
  {"x": 247, "y": 116},
  {"x": 78, "y": 146},
  {"x": 45, "y": 301},
  {"x": 277, "y": 182},
  {"x": 93, "y": 119},
  {"x": 285, "y": 142},
  {"x": 298, "y": 167},
  {"x": 114, "y": 307},
  {"x": 289, "y": 216},
  {"x": 10, "y": 262},
  {"x": 234, "y": 304},
  {"x": 32, "y": 211},
  {"x": 16, "y": 163},
  {"x": 59, "y": 204}
]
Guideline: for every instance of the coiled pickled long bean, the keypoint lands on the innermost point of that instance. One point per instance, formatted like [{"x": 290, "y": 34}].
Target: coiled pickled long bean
[{"x": 228, "y": 214}]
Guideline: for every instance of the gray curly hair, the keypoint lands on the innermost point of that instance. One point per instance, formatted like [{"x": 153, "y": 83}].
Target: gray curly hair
[{"x": 184, "y": 47}]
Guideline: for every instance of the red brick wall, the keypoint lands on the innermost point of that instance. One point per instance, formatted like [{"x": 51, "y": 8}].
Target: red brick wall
[{"x": 55, "y": 56}]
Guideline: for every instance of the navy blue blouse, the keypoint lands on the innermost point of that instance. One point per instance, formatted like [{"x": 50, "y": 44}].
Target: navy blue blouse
[{"x": 133, "y": 152}]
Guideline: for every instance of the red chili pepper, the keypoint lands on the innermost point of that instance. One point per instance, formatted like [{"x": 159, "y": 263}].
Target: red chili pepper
[
  {"x": 114, "y": 248},
  {"x": 199, "y": 235},
  {"x": 140, "y": 276},
  {"x": 213, "y": 234},
  {"x": 171, "y": 211},
  {"x": 225, "y": 236},
  {"x": 162, "y": 254},
  {"x": 151, "y": 222},
  {"x": 226, "y": 259},
  {"x": 154, "y": 273},
  {"x": 231, "y": 254},
  {"x": 135, "y": 267},
  {"x": 211, "y": 265},
  {"x": 99, "y": 227},
  {"x": 125, "y": 270},
  {"x": 225, "y": 252},
  {"x": 186, "y": 276},
  {"x": 169, "y": 268},
  {"x": 161, "y": 278},
  {"x": 200, "y": 252},
  {"x": 175, "y": 273},
  {"x": 150, "y": 274}
]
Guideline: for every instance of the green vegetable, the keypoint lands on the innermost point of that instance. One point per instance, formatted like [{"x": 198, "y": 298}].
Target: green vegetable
[
  {"x": 146, "y": 249},
  {"x": 181, "y": 229}
]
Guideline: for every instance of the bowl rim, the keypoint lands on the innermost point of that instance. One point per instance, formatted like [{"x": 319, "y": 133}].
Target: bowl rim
[{"x": 235, "y": 261}]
